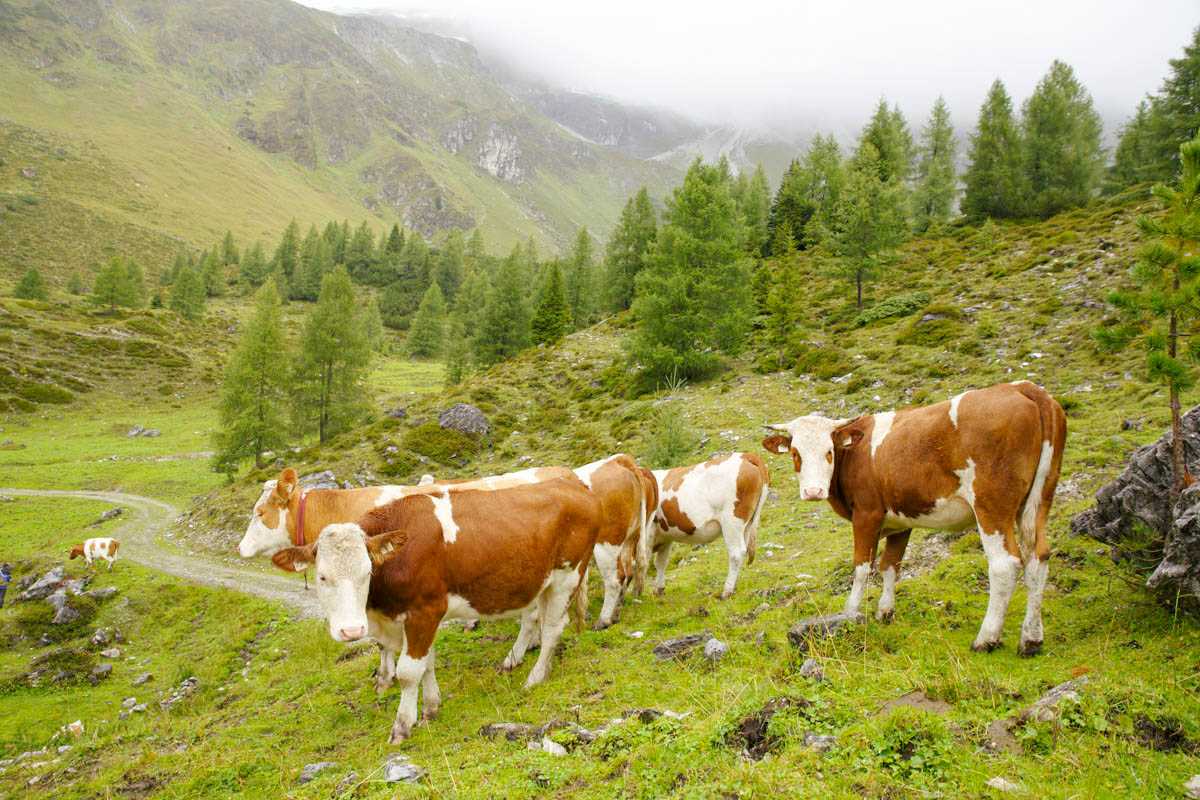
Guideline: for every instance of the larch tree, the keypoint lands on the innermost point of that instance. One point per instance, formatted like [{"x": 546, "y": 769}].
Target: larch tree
[
  {"x": 450, "y": 264},
  {"x": 136, "y": 283},
  {"x": 504, "y": 329},
  {"x": 360, "y": 253},
  {"x": 937, "y": 182},
  {"x": 287, "y": 253},
  {"x": 995, "y": 178},
  {"x": 1136, "y": 159},
  {"x": 887, "y": 132},
  {"x": 316, "y": 261},
  {"x": 552, "y": 317},
  {"x": 253, "y": 267},
  {"x": 229, "y": 250},
  {"x": 755, "y": 207},
  {"x": 75, "y": 284},
  {"x": 254, "y": 392},
  {"x": 187, "y": 294},
  {"x": 212, "y": 273},
  {"x": 1061, "y": 135},
  {"x": 112, "y": 288},
  {"x": 330, "y": 373},
  {"x": 627, "y": 249},
  {"x": 425, "y": 336},
  {"x": 579, "y": 279},
  {"x": 31, "y": 286},
  {"x": 1161, "y": 311},
  {"x": 694, "y": 297}
]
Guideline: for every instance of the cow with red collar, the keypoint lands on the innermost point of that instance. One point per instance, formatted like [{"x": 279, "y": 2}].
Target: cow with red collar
[
  {"x": 988, "y": 458},
  {"x": 723, "y": 497},
  {"x": 466, "y": 554}
]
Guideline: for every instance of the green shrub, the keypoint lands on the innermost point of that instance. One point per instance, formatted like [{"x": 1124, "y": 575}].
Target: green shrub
[
  {"x": 937, "y": 325},
  {"x": 443, "y": 445},
  {"x": 898, "y": 305},
  {"x": 671, "y": 440},
  {"x": 820, "y": 361}
]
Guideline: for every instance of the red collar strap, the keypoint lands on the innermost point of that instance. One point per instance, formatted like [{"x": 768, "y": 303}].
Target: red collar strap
[{"x": 300, "y": 519}]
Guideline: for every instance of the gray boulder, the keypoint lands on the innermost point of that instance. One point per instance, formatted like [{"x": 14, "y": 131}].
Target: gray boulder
[
  {"x": 804, "y": 632},
  {"x": 399, "y": 769},
  {"x": 465, "y": 418},
  {"x": 680, "y": 645},
  {"x": 1140, "y": 497},
  {"x": 311, "y": 771},
  {"x": 44, "y": 586},
  {"x": 320, "y": 480}
]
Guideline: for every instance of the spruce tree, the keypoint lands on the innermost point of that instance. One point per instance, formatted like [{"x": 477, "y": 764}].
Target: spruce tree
[
  {"x": 937, "y": 183},
  {"x": 785, "y": 301},
  {"x": 135, "y": 284},
  {"x": 75, "y": 284},
  {"x": 330, "y": 374},
  {"x": 395, "y": 241},
  {"x": 229, "y": 250},
  {"x": 393, "y": 306},
  {"x": 627, "y": 249},
  {"x": 373, "y": 324},
  {"x": 212, "y": 273},
  {"x": 287, "y": 253},
  {"x": 315, "y": 261},
  {"x": 332, "y": 234},
  {"x": 428, "y": 324},
  {"x": 995, "y": 179},
  {"x": 1174, "y": 113},
  {"x": 112, "y": 288},
  {"x": 458, "y": 350},
  {"x": 552, "y": 317},
  {"x": 188, "y": 295},
  {"x": 253, "y": 267},
  {"x": 694, "y": 297},
  {"x": 756, "y": 212},
  {"x": 868, "y": 223},
  {"x": 31, "y": 286},
  {"x": 254, "y": 392},
  {"x": 887, "y": 132},
  {"x": 504, "y": 327},
  {"x": 1160, "y": 312},
  {"x": 579, "y": 280},
  {"x": 471, "y": 300},
  {"x": 792, "y": 207},
  {"x": 360, "y": 253},
  {"x": 449, "y": 270},
  {"x": 475, "y": 258},
  {"x": 1061, "y": 134}
]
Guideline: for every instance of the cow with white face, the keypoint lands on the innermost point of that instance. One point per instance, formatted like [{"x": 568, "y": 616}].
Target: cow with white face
[{"x": 989, "y": 458}]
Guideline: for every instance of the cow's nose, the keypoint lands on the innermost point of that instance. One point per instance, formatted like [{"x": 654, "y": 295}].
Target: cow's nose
[
  {"x": 351, "y": 634},
  {"x": 814, "y": 494}
]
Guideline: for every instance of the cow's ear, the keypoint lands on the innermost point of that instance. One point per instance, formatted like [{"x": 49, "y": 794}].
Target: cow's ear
[
  {"x": 286, "y": 484},
  {"x": 778, "y": 443},
  {"x": 295, "y": 559},
  {"x": 845, "y": 438},
  {"x": 380, "y": 547}
]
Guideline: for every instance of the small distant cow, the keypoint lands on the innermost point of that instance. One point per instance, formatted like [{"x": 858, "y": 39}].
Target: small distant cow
[
  {"x": 92, "y": 549},
  {"x": 466, "y": 554},
  {"x": 988, "y": 457},
  {"x": 724, "y": 496}
]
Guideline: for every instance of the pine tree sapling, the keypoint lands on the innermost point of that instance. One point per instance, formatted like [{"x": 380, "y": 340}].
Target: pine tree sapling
[
  {"x": 1161, "y": 311},
  {"x": 552, "y": 317}
]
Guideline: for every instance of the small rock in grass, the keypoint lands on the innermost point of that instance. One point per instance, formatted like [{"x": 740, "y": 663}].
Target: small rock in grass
[
  {"x": 311, "y": 771},
  {"x": 345, "y": 784},
  {"x": 111, "y": 652},
  {"x": 552, "y": 747},
  {"x": 100, "y": 672},
  {"x": 143, "y": 678},
  {"x": 100, "y": 637},
  {"x": 129, "y": 702},
  {"x": 819, "y": 627},
  {"x": 715, "y": 649},
  {"x": 1192, "y": 787},
  {"x": 636, "y": 634},
  {"x": 398, "y": 768},
  {"x": 512, "y": 731},
  {"x": 811, "y": 669},
  {"x": 819, "y": 742},
  {"x": 1002, "y": 785},
  {"x": 140, "y": 708},
  {"x": 681, "y": 645},
  {"x": 1045, "y": 709}
]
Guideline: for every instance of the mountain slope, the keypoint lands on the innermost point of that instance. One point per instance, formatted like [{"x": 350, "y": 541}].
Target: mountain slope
[{"x": 242, "y": 115}]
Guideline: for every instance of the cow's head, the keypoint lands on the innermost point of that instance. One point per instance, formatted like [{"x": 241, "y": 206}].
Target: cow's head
[
  {"x": 77, "y": 551},
  {"x": 344, "y": 557},
  {"x": 812, "y": 441},
  {"x": 268, "y": 529}
]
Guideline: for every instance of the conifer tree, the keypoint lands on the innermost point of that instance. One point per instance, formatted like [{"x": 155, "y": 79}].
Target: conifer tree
[
  {"x": 471, "y": 300},
  {"x": 360, "y": 253},
  {"x": 1161, "y": 312},
  {"x": 332, "y": 234},
  {"x": 316, "y": 261},
  {"x": 887, "y": 131},
  {"x": 868, "y": 223},
  {"x": 31, "y": 286},
  {"x": 475, "y": 258},
  {"x": 628, "y": 248},
  {"x": 694, "y": 297},
  {"x": 187, "y": 294},
  {"x": 253, "y": 268},
  {"x": 229, "y": 250},
  {"x": 552, "y": 317},
  {"x": 135, "y": 284},
  {"x": 287, "y": 253},
  {"x": 428, "y": 324},
  {"x": 937, "y": 183},
  {"x": 458, "y": 351},
  {"x": 449, "y": 271},
  {"x": 112, "y": 288},
  {"x": 254, "y": 392},
  {"x": 75, "y": 284},
  {"x": 995, "y": 178},
  {"x": 504, "y": 328},
  {"x": 785, "y": 298},
  {"x": 395, "y": 241},
  {"x": 167, "y": 277},
  {"x": 756, "y": 211},
  {"x": 579, "y": 281},
  {"x": 1136, "y": 157},
  {"x": 393, "y": 306},
  {"x": 792, "y": 207},
  {"x": 330, "y": 374},
  {"x": 212, "y": 273},
  {"x": 1061, "y": 133},
  {"x": 373, "y": 324}
]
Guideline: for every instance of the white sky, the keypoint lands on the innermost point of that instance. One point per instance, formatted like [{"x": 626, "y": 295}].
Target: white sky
[{"x": 801, "y": 63}]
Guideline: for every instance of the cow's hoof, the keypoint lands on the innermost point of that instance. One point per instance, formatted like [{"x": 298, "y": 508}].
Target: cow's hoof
[
  {"x": 1029, "y": 648},
  {"x": 380, "y": 688},
  {"x": 400, "y": 732},
  {"x": 985, "y": 647},
  {"x": 429, "y": 714},
  {"x": 659, "y": 591},
  {"x": 507, "y": 666},
  {"x": 885, "y": 617},
  {"x": 725, "y": 595},
  {"x": 600, "y": 625}
]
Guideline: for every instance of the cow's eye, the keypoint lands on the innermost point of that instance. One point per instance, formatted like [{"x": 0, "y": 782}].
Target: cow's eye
[
  {"x": 829, "y": 456},
  {"x": 321, "y": 578}
]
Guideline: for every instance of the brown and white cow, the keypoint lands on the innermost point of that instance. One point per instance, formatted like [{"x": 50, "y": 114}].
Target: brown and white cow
[
  {"x": 467, "y": 554},
  {"x": 988, "y": 457},
  {"x": 91, "y": 549},
  {"x": 724, "y": 496}
]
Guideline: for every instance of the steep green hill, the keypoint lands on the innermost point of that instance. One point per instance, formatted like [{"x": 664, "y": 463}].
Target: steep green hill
[{"x": 180, "y": 121}]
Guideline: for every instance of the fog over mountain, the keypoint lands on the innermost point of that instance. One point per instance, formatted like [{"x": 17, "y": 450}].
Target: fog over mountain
[{"x": 792, "y": 68}]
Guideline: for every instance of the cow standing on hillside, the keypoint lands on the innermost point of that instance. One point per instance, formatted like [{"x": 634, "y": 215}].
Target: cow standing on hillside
[
  {"x": 724, "y": 496},
  {"x": 471, "y": 554},
  {"x": 988, "y": 457},
  {"x": 100, "y": 547}
]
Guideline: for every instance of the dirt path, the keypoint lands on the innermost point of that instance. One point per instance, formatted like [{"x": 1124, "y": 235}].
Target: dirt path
[{"x": 138, "y": 530}]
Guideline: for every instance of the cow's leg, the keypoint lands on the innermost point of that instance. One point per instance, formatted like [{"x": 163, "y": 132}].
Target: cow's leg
[
  {"x": 734, "y": 532},
  {"x": 1004, "y": 562},
  {"x": 607, "y": 556},
  {"x": 109, "y": 559},
  {"x": 662, "y": 556},
  {"x": 431, "y": 693},
  {"x": 554, "y": 601},
  {"x": 411, "y": 664},
  {"x": 529, "y": 629},
  {"x": 889, "y": 567},
  {"x": 866, "y": 541},
  {"x": 387, "y": 669}
]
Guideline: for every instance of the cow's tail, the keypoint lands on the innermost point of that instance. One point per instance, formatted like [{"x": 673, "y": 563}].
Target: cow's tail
[
  {"x": 646, "y": 539},
  {"x": 640, "y": 549},
  {"x": 1036, "y": 509},
  {"x": 577, "y": 607}
]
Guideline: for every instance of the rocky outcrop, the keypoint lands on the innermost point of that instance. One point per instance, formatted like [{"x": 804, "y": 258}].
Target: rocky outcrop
[
  {"x": 1139, "y": 502},
  {"x": 500, "y": 155},
  {"x": 465, "y": 418}
]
